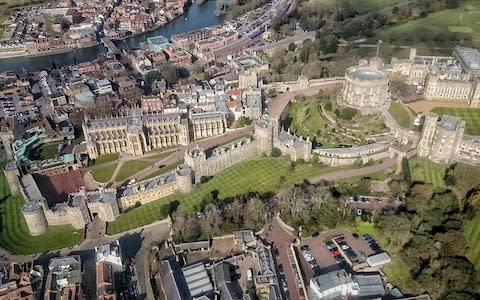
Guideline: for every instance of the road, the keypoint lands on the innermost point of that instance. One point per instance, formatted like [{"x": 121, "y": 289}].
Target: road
[
  {"x": 281, "y": 240},
  {"x": 277, "y": 105},
  {"x": 298, "y": 37}
]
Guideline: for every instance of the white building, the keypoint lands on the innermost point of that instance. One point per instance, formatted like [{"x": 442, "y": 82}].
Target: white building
[{"x": 333, "y": 285}]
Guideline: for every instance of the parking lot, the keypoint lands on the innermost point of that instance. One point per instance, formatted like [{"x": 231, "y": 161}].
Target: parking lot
[{"x": 328, "y": 255}]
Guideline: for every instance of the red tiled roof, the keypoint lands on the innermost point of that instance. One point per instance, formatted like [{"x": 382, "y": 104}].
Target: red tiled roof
[{"x": 55, "y": 188}]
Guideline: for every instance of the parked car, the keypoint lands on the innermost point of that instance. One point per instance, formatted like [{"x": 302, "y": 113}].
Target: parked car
[
  {"x": 315, "y": 234},
  {"x": 335, "y": 253},
  {"x": 304, "y": 248},
  {"x": 366, "y": 237},
  {"x": 355, "y": 235},
  {"x": 362, "y": 255},
  {"x": 330, "y": 245},
  {"x": 345, "y": 247}
]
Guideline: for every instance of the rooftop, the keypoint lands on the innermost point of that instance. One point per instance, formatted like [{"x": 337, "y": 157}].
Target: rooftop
[
  {"x": 331, "y": 280},
  {"x": 470, "y": 57},
  {"x": 449, "y": 123},
  {"x": 197, "y": 279},
  {"x": 367, "y": 74}
]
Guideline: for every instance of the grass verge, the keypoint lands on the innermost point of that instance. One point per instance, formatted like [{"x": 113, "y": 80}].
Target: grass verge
[
  {"x": 400, "y": 114},
  {"x": 130, "y": 168},
  {"x": 424, "y": 170}
]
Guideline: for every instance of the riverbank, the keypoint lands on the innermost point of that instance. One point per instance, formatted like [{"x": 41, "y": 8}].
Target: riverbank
[{"x": 196, "y": 17}]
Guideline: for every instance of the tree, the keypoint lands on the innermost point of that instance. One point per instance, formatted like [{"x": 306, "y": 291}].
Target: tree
[
  {"x": 406, "y": 171},
  {"x": 276, "y": 152},
  {"x": 153, "y": 75},
  {"x": 292, "y": 47},
  {"x": 170, "y": 73},
  {"x": 396, "y": 228}
]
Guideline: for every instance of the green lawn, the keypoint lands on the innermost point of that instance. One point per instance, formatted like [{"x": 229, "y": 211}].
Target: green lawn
[
  {"x": 439, "y": 28},
  {"x": 471, "y": 116},
  {"x": 45, "y": 151},
  {"x": 163, "y": 170},
  {"x": 254, "y": 175},
  {"x": 14, "y": 234},
  {"x": 160, "y": 156},
  {"x": 398, "y": 272},
  {"x": 106, "y": 158},
  {"x": 378, "y": 176},
  {"x": 104, "y": 174},
  {"x": 423, "y": 169},
  {"x": 131, "y": 167},
  {"x": 400, "y": 114},
  {"x": 472, "y": 235},
  {"x": 362, "y": 6}
]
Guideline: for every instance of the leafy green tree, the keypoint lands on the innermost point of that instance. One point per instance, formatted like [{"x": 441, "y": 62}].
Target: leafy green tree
[{"x": 276, "y": 152}]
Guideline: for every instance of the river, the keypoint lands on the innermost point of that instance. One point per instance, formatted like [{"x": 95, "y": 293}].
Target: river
[{"x": 196, "y": 17}]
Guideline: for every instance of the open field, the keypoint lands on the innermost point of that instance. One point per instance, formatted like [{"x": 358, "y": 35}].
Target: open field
[
  {"x": 400, "y": 114},
  {"x": 362, "y": 6},
  {"x": 254, "y": 175},
  {"x": 398, "y": 272},
  {"x": 472, "y": 236},
  {"x": 14, "y": 234},
  {"x": 424, "y": 170},
  {"x": 471, "y": 116},
  {"x": 45, "y": 151},
  {"x": 439, "y": 28},
  {"x": 131, "y": 167}
]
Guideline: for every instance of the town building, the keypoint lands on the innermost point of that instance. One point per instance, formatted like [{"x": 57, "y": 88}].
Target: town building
[
  {"x": 64, "y": 278},
  {"x": 108, "y": 261}
]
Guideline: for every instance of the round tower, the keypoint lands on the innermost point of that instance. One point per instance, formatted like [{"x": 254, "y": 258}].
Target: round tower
[
  {"x": 184, "y": 179},
  {"x": 35, "y": 218},
  {"x": 11, "y": 173}
]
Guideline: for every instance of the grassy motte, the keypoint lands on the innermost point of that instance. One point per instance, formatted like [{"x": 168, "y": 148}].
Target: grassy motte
[{"x": 14, "y": 234}]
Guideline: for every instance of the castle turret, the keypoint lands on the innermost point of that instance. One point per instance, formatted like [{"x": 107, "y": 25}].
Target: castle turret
[
  {"x": 184, "y": 179},
  {"x": 35, "y": 218},
  {"x": 11, "y": 173},
  {"x": 264, "y": 136}
]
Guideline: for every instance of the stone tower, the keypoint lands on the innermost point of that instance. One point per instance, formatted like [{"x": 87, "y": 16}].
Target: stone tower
[
  {"x": 136, "y": 140},
  {"x": 184, "y": 179},
  {"x": 428, "y": 132},
  {"x": 264, "y": 135},
  {"x": 35, "y": 217},
  {"x": 196, "y": 159}
]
